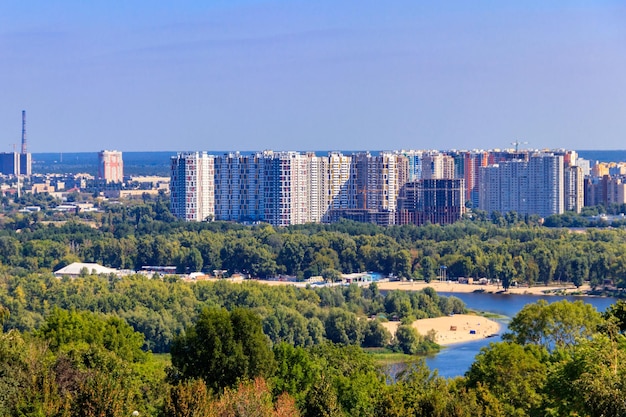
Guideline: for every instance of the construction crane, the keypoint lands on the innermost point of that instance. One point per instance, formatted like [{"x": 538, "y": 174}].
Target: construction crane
[
  {"x": 365, "y": 190},
  {"x": 517, "y": 143}
]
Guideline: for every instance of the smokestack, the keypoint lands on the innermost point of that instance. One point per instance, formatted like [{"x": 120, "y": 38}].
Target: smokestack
[{"x": 23, "y": 131}]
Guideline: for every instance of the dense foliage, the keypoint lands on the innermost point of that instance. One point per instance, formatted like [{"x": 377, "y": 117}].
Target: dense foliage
[
  {"x": 162, "y": 308},
  {"x": 86, "y": 346},
  {"x": 77, "y": 365},
  {"x": 504, "y": 247}
]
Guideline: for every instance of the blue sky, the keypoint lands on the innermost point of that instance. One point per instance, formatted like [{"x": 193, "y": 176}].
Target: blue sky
[{"x": 300, "y": 75}]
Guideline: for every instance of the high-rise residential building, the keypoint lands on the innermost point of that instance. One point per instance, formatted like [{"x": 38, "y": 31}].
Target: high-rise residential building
[
  {"x": 584, "y": 164},
  {"x": 546, "y": 184},
  {"x": 466, "y": 166},
  {"x": 318, "y": 189},
  {"x": 373, "y": 188},
  {"x": 286, "y": 188},
  {"x": 573, "y": 188},
  {"x": 239, "y": 187},
  {"x": 605, "y": 191},
  {"x": 376, "y": 179},
  {"x": 402, "y": 171},
  {"x": 414, "y": 159},
  {"x": 192, "y": 186},
  {"x": 339, "y": 181},
  {"x": 599, "y": 170},
  {"x": 490, "y": 188},
  {"x": 110, "y": 166},
  {"x": 533, "y": 186},
  {"x": 228, "y": 183},
  {"x": 436, "y": 201},
  {"x": 329, "y": 185},
  {"x": 504, "y": 187},
  {"x": 437, "y": 165}
]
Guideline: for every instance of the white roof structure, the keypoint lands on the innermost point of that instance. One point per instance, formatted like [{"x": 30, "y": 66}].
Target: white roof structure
[{"x": 73, "y": 270}]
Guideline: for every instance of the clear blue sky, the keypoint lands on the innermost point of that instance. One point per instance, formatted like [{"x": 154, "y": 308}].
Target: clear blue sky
[{"x": 312, "y": 75}]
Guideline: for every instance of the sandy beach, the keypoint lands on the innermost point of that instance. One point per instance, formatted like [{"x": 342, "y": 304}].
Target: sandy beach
[
  {"x": 453, "y": 329},
  {"x": 455, "y": 287}
]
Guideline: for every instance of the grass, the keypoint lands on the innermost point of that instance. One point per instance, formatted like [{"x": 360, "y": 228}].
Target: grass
[
  {"x": 487, "y": 314},
  {"x": 383, "y": 356}
]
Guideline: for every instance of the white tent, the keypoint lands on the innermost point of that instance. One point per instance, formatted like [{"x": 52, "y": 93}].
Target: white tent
[{"x": 74, "y": 270}]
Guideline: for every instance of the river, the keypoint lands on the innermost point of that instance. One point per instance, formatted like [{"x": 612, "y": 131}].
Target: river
[{"x": 455, "y": 360}]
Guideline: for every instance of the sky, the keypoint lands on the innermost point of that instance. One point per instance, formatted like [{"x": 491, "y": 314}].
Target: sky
[{"x": 154, "y": 75}]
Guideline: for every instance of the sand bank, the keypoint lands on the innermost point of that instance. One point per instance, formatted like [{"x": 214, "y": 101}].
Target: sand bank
[{"x": 453, "y": 329}]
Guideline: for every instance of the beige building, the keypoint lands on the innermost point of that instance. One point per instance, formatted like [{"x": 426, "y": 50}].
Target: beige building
[{"x": 110, "y": 166}]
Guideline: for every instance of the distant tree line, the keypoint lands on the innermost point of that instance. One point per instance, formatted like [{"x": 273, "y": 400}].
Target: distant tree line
[{"x": 507, "y": 248}]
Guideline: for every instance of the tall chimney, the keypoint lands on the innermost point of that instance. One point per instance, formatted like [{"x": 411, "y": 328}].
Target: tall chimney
[{"x": 23, "y": 131}]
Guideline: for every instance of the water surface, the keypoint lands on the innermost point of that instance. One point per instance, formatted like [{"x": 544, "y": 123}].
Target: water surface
[{"x": 455, "y": 360}]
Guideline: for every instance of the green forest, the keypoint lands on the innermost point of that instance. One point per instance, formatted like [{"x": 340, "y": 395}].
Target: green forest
[
  {"x": 100, "y": 345},
  {"x": 508, "y": 248},
  {"x": 254, "y": 350}
]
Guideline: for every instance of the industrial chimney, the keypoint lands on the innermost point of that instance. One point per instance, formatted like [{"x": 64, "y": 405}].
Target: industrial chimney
[{"x": 23, "y": 131}]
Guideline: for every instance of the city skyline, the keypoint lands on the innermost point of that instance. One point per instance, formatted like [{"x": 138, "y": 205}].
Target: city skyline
[
  {"x": 151, "y": 76},
  {"x": 413, "y": 187}
]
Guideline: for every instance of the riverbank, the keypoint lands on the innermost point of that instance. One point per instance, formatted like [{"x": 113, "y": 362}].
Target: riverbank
[
  {"x": 455, "y": 287},
  {"x": 457, "y": 328}
]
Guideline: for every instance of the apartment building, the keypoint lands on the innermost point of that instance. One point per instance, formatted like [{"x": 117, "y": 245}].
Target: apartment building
[
  {"x": 192, "y": 192},
  {"x": 528, "y": 186},
  {"x": 110, "y": 166},
  {"x": 435, "y": 201}
]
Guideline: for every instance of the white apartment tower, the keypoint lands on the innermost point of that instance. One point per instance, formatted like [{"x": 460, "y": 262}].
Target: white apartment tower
[
  {"x": 239, "y": 187},
  {"x": 192, "y": 186},
  {"x": 317, "y": 187},
  {"x": 339, "y": 182},
  {"x": 535, "y": 186},
  {"x": 286, "y": 188},
  {"x": 110, "y": 166}
]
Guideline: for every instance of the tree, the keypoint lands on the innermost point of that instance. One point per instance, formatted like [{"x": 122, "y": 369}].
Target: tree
[
  {"x": 194, "y": 260},
  {"x": 408, "y": 339},
  {"x": 514, "y": 374},
  {"x": 590, "y": 379},
  {"x": 398, "y": 303},
  {"x": 618, "y": 312},
  {"x": 344, "y": 327},
  {"x": 558, "y": 324},
  {"x": 4, "y": 315},
  {"x": 64, "y": 327},
  {"x": 321, "y": 400},
  {"x": 187, "y": 399},
  {"x": 376, "y": 335},
  {"x": 402, "y": 264},
  {"x": 428, "y": 266},
  {"x": 253, "y": 398},
  {"x": 223, "y": 348},
  {"x": 296, "y": 371}
]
